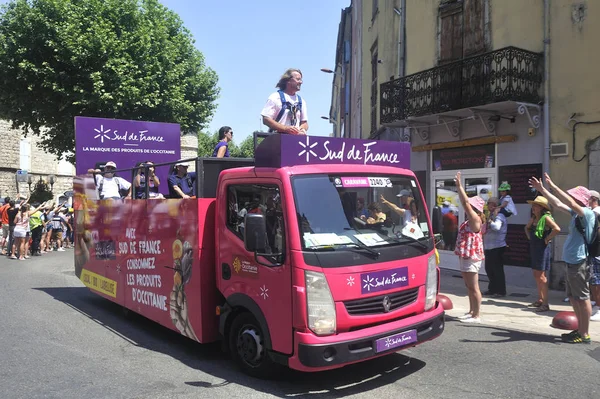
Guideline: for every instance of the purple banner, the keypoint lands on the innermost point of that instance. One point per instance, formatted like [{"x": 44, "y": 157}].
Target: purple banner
[
  {"x": 281, "y": 150},
  {"x": 383, "y": 280},
  {"x": 396, "y": 341},
  {"x": 126, "y": 143}
]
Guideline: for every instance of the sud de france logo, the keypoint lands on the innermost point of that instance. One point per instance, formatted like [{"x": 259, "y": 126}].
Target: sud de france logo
[{"x": 307, "y": 149}]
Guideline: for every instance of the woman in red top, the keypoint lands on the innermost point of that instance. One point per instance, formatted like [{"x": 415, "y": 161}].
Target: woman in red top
[{"x": 469, "y": 248}]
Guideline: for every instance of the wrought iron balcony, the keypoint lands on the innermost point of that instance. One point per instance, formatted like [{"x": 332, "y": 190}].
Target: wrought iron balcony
[{"x": 508, "y": 74}]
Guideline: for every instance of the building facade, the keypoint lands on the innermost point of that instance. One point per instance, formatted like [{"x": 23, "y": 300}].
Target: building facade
[{"x": 499, "y": 89}]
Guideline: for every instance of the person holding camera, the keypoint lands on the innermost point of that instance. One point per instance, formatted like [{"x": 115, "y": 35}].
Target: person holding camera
[
  {"x": 110, "y": 186},
  {"x": 152, "y": 181}
]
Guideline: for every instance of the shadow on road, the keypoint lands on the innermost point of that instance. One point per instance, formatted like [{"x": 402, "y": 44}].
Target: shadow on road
[
  {"x": 210, "y": 359},
  {"x": 507, "y": 335}
]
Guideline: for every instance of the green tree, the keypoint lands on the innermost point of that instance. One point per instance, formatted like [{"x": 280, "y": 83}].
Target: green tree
[
  {"x": 126, "y": 59},
  {"x": 246, "y": 148},
  {"x": 41, "y": 192},
  {"x": 207, "y": 143}
]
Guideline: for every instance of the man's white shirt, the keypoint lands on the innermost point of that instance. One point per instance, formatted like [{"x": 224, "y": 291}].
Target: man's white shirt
[
  {"x": 273, "y": 106},
  {"x": 111, "y": 186}
]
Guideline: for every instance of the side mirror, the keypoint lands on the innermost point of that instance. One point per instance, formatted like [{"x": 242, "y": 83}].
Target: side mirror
[{"x": 255, "y": 233}]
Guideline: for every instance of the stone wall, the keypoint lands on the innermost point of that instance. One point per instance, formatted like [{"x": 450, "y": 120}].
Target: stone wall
[{"x": 189, "y": 148}]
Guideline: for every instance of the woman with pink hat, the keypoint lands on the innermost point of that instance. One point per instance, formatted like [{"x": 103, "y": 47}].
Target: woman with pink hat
[
  {"x": 469, "y": 248},
  {"x": 540, "y": 230}
]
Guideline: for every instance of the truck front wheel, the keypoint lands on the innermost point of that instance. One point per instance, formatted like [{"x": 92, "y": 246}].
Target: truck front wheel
[{"x": 248, "y": 348}]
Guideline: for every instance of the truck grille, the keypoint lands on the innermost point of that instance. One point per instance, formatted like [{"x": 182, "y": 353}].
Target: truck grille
[{"x": 374, "y": 305}]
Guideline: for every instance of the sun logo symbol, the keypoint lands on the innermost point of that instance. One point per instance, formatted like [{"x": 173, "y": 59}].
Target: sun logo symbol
[
  {"x": 264, "y": 292},
  {"x": 237, "y": 265},
  {"x": 307, "y": 149},
  {"x": 102, "y": 134},
  {"x": 368, "y": 282}
]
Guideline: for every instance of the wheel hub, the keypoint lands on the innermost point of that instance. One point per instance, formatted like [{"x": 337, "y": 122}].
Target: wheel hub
[{"x": 249, "y": 346}]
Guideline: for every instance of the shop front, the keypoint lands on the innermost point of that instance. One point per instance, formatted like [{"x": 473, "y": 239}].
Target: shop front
[{"x": 506, "y": 150}]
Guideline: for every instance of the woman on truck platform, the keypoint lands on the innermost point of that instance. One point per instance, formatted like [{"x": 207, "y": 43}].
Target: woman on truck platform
[
  {"x": 469, "y": 248},
  {"x": 222, "y": 148},
  {"x": 152, "y": 180}
]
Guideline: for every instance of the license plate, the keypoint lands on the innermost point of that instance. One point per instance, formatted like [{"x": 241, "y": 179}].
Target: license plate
[{"x": 395, "y": 341}]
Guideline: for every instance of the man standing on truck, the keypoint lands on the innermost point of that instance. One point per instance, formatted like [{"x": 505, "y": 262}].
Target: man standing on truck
[{"x": 285, "y": 110}]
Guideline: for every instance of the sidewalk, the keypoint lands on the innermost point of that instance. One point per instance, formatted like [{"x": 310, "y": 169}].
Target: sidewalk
[{"x": 510, "y": 311}]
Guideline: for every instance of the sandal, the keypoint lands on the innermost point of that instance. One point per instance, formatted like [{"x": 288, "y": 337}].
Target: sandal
[
  {"x": 536, "y": 304},
  {"x": 542, "y": 308}
]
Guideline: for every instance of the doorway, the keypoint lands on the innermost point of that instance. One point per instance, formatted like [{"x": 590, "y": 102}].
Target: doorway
[{"x": 445, "y": 196}]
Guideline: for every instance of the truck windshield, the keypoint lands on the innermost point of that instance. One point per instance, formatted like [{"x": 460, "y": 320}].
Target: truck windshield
[{"x": 372, "y": 211}]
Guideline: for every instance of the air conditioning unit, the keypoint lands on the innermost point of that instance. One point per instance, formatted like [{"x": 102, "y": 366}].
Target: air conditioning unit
[{"x": 559, "y": 149}]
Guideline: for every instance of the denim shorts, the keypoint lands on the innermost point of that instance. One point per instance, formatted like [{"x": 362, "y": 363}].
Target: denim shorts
[{"x": 595, "y": 279}]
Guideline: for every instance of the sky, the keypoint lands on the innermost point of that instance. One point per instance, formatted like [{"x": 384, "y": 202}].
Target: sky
[{"x": 251, "y": 43}]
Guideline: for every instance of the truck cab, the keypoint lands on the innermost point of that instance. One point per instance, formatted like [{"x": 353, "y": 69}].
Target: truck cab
[{"x": 329, "y": 263}]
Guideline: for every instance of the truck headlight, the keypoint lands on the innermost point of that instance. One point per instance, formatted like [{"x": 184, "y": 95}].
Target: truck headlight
[
  {"x": 319, "y": 303},
  {"x": 431, "y": 284}
]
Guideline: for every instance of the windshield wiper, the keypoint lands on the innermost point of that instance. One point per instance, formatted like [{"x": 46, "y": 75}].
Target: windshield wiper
[
  {"x": 364, "y": 247},
  {"x": 332, "y": 247},
  {"x": 412, "y": 239}
]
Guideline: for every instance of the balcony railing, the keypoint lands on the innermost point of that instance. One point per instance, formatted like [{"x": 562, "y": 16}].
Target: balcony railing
[{"x": 508, "y": 74}]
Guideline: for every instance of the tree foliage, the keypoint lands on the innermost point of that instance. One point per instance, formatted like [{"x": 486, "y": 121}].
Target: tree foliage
[
  {"x": 246, "y": 148},
  {"x": 125, "y": 59},
  {"x": 41, "y": 192},
  {"x": 207, "y": 143}
]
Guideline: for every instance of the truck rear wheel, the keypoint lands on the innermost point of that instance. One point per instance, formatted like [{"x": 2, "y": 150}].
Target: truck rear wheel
[{"x": 248, "y": 348}]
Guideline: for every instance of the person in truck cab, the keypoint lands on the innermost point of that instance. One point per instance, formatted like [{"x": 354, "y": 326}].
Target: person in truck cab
[
  {"x": 285, "y": 110},
  {"x": 375, "y": 214},
  {"x": 181, "y": 183}
]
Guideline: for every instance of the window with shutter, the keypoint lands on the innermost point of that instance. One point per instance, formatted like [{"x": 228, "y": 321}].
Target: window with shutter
[
  {"x": 462, "y": 29},
  {"x": 451, "y": 29},
  {"x": 473, "y": 27}
]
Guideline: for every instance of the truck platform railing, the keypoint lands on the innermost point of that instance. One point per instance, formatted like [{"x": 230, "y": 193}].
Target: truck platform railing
[{"x": 207, "y": 170}]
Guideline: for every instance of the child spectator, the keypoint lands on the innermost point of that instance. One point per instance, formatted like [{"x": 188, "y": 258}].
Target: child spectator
[{"x": 507, "y": 206}]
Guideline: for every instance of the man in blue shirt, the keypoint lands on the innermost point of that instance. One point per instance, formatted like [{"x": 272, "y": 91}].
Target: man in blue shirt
[
  {"x": 182, "y": 184},
  {"x": 574, "y": 202}
]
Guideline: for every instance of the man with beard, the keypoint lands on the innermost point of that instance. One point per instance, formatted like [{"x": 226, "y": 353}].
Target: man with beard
[{"x": 285, "y": 110}]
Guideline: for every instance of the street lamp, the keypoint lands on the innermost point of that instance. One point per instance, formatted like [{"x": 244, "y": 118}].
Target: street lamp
[
  {"x": 30, "y": 182},
  {"x": 51, "y": 181},
  {"x": 327, "y": 70},
  {"x": 332, "y": 121}
]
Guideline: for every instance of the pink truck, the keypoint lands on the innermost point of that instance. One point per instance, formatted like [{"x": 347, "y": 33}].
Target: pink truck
[{"x": 316, "y": 254}]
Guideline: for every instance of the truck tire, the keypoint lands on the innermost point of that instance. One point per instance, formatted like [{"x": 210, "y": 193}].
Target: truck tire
[{"x": 248, "y": 349}]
